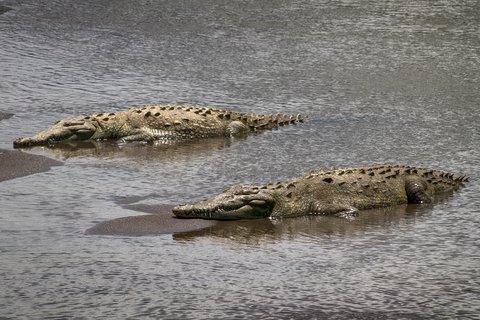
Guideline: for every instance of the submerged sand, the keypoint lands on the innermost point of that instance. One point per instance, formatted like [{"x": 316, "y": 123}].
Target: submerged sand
[
  {"x": 4, "y": 9},
  {"x": 16, "y": 164},
  {"x": 161, "y": 222},
  {"x": 4, "y": 115}
]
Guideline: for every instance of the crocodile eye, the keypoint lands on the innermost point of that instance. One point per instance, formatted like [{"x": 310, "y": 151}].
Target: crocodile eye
[
  {"x": 248, "y": 191},
  {"x": 72, "y": 123}
]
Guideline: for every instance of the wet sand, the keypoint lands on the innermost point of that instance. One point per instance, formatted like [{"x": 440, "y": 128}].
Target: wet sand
[
  {"x": 16, "y": 164},
  {"x": 161, "y": 222},
  {"x": 4, "y": 115},
  {"x": 4, "y": 9},
  {"x": 144, "y": 225}
]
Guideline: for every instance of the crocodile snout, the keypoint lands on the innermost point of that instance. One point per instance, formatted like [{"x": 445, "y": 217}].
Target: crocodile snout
[{"x": 22, "y": 142}]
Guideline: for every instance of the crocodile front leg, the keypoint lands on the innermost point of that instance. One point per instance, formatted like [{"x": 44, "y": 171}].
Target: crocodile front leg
[
  {"x": 139, "y": 135},
  {"x": 148, "y": 135}
]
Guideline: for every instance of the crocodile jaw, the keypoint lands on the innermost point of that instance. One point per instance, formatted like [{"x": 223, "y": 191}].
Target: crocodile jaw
[
  {"x": 67, "y": 129},
  {"x": 230, "y": 205}
]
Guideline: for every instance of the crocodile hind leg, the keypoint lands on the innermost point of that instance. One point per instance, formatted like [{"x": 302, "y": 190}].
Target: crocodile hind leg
[
  {"x": 417, "y": 190},
  {"x": 237, "y": 129},
  {"x": 348, "y": 213}
]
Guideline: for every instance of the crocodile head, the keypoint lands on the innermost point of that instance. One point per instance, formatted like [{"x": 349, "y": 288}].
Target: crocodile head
[
  {"x": 238, "y": 202},
  {"x": 78, "y": 128}
]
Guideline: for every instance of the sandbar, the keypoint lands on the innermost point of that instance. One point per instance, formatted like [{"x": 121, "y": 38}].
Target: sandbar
[
  {"x": 161, "y": 222},
  {"x": 4, "y": 9},
  {"x": 14, "y": 164},
  {"x": 4, "y": 115}
]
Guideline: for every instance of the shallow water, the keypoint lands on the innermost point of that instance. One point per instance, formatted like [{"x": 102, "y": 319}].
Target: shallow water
[{"x": 382, "y": 81}]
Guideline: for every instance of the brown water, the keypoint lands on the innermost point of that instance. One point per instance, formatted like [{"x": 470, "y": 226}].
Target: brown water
[{"x": 383, "y": 81}]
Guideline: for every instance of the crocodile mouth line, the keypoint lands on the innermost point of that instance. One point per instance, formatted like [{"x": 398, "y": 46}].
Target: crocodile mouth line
[{"x": 253, "y": 209}]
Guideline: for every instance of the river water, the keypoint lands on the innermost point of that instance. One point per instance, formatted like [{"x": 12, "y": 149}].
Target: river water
[{"x": 382, "y": 81}]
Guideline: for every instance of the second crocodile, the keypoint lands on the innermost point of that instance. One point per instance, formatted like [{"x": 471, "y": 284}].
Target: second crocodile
[
  {"x": 167, "y": 123},
  {"x": 340, "y": 192}
]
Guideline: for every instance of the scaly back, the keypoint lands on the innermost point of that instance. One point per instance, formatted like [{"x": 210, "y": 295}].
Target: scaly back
[{"x": 185, "y": 116}]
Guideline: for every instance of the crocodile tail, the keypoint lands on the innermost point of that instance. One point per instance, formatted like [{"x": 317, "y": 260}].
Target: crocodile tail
[
  {"x": 452, "y": 179},
  {"x": 273, "y": 121},
  {"x": 444, "y": 180},
  {"x": 462, "y": 179}
]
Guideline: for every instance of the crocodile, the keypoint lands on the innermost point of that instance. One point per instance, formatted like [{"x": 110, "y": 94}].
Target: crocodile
[
  {"x": 167, "y": 123},
  {"x": 341, "y": 192}
]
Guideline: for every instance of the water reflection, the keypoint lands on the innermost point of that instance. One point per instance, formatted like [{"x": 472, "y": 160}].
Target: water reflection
[
  {"x": 257, "y": 231},
  {"x": 138, "y": 150}
]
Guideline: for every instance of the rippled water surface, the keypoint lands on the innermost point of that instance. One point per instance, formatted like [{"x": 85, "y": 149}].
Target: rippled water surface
[{"x": 382, "y": 81}]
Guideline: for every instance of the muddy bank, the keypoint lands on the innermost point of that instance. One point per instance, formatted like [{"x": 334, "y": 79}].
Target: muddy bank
[
  {"x": 4, "y": 9},
  {"x": 18, "y": 164},
  {"x": 4, "y": 115},
  {"x": 161, "y": 221},
  {"x": 15, "y": 163}
]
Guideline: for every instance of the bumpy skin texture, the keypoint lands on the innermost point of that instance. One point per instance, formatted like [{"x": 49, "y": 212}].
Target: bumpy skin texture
[
  {"x": 158, "y": 122},
  {"x": 340, "y": 192}
]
